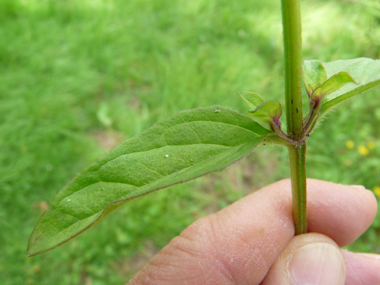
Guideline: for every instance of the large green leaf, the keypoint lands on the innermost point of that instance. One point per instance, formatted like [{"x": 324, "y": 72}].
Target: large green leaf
[
  {"x": 364, "y": 71},
  {"x": 184, "y": 146}
]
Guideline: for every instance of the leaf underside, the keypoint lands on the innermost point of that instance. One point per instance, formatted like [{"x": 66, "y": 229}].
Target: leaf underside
[{"x": 185, "y": 146}]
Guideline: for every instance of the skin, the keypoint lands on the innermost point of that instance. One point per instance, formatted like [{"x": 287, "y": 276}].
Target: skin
[{"x": 252, "y": 240}]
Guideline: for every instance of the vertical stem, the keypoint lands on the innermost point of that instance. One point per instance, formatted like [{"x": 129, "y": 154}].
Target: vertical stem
[
  {"x": 291, "y": 18},
  {"x": 297, "y": 157}
]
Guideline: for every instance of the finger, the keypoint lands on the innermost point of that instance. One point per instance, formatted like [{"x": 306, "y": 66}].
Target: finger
[
  {"x": 361, "y": 268},
  {"x": 240, "y": 243},
  {"x": 308, "y": 259},
  {"x": 339, "y": 211}
]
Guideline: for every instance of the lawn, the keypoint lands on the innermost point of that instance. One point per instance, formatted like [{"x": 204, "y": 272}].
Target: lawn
[{"x": 77, "y": 77}]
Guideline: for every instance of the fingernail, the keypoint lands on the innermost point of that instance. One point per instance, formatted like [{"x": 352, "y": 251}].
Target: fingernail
[
  {"x": 358, "y": 186},
  {"x": 317, "y": 263}
]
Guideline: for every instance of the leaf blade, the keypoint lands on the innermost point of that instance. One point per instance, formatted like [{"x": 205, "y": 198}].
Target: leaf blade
[{"x": 182, "y": 147}]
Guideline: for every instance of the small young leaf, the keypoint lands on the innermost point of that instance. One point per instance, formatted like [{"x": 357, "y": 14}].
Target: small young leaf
[
  {"x": 185, "y": 146},
  {"x": 364, "y": 71},
  {"x": 334, "y": 83},
  {"x": 314, "y": 75},
  {"x": 253, "y": 100},
  {"x": 268, "y": 112}
]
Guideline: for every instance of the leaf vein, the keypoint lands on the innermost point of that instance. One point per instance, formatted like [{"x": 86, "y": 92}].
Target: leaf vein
[
  {"x": 182, "y": 145},
  {"x": 78, "y": 220},
  {"x": 218, "y": 122},
  {"x": 200, "y": 141},
  {"x": 92, "y": 211},
  {"x": 69, "y": 215},
  {"x": 163, "y": 136},
  {"x": 151, "y": 169}
]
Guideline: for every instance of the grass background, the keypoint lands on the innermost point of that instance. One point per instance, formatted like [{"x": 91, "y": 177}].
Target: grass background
[{"x": 79, "y": 76}]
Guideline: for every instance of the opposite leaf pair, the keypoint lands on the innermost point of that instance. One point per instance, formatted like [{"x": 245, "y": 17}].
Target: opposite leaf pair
[
  {"x": 331, "y": 83},
  {"x": 327, "y": 85}
]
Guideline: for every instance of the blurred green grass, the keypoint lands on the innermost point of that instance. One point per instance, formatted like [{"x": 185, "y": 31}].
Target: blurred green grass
[{"x": 77, "y": 77}]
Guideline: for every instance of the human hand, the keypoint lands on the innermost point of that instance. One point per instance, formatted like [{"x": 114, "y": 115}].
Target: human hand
[{"x": 252, "y": 241}]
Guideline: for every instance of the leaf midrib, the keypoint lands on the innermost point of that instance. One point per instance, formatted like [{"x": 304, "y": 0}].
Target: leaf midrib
[
  {"x": 162, "y": 135},
  {"x": 138, "y": 187},
  {"x": 163, "y": 176}
]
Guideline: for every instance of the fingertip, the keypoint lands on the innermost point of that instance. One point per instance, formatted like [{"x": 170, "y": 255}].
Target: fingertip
[
  {"x": 366, "y": 195},
  {"x": 354, "y": 207},
  {"x": 361, "y": 268},
  {"x": 308, "y": 259}
]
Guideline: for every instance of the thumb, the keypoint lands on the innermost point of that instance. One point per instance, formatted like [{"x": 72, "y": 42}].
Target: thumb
[{"x": 308, "y": 259}]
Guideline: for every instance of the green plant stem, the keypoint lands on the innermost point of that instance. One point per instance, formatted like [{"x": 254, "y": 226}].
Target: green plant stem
[
  {"x": 297, "y": 155},
  {"x": 291, "y": 18}
]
